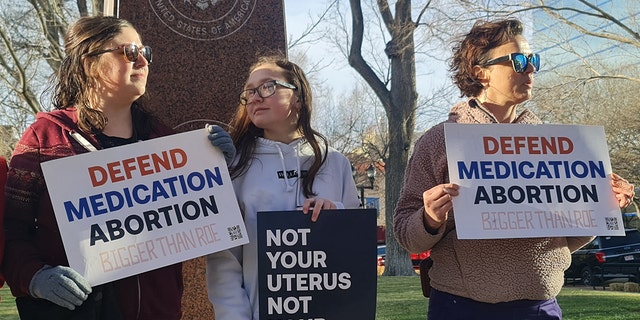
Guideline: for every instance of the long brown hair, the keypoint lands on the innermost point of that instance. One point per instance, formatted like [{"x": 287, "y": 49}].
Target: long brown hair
[
  {"x": 78, "y": 75},
  {"x": 245, "y": 133}
]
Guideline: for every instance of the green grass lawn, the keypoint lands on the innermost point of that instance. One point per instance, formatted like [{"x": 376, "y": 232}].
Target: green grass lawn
[
  {"x": 7, "y": 305},
  {"x": 400, "y": 298},
  {"x": 598, "y": 304}
]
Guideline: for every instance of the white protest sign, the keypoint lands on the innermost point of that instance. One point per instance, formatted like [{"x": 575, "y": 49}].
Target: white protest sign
[
  {"x": 523, "y": 181},
  {"x": 130, "y": 209}
]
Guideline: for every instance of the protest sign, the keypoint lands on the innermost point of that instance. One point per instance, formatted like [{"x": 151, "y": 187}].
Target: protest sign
[
  {"x": 522, "y": 181},
  {"x": 317, "y": 270},
  {"x": 130, "y": 209}
]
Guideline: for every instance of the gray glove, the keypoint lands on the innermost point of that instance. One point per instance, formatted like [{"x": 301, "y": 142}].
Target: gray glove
[
  {"x": 60, "y": 285},
  {"x": 221, "y": 139}
]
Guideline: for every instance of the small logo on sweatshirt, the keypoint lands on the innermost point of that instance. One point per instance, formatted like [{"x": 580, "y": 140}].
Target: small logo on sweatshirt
[
  {"x": 292, "y": 174},
  {"x": 203, "y": 19}
]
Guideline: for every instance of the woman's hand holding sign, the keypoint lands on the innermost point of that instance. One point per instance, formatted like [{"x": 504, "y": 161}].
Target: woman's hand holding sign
[
  {"x": 437, "y": 204},
  {"x": 221, "y": 139},
  {"x": 317, "y": 204},
  {"x": 623, "y": 189}
]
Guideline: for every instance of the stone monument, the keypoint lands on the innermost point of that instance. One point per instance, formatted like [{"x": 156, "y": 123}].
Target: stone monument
[{"x": 202, "y": 50}]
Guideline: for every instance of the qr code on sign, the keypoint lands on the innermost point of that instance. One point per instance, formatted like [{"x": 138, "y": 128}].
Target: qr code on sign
[
  {"x": 612, "y": 223},
  {"x": 235, "y": 233}
]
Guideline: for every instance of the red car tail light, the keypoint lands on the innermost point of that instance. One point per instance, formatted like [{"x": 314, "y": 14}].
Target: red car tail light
[
  {"x": 601, "y": 257},
  {"x": 420, "y": 256}
]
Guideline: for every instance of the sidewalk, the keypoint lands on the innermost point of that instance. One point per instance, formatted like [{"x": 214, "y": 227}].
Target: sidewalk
[{"x": 604, "y": 286}]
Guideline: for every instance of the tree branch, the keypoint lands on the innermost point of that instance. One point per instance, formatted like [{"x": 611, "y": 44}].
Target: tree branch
[{"x": 357, "y": 61}]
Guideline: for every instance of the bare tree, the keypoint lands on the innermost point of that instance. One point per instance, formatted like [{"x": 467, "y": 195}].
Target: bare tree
[
  {"x": 392, "y": 76},
  {"x": 348, "y": 120},
  {"x": 30, "y": 49},
  {"x": 593, "y": 56},
  {"x": 607, "y": 102},
  {"x": 384, "y": 54},
  {"x": 399, "y": 101}
]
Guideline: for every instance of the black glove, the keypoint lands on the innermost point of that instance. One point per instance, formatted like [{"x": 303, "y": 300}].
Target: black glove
[{"x": 221, "y": 139}]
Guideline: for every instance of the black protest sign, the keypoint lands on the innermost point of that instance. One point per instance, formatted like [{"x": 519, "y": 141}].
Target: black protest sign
[{"x": 317, "y": 270}]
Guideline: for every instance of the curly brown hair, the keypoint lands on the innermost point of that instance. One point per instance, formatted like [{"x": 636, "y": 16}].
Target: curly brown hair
[
  {"x": 78, "y": 75},
  {"x": 473, "y": 50},
  {"x": 244, "y": 132}
]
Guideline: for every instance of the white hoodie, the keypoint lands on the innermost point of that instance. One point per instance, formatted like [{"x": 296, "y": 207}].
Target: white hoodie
[{"x": 271, "y": 183}]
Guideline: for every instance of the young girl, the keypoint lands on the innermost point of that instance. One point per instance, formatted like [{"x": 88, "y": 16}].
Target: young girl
[{"x": 281, "y": 164}]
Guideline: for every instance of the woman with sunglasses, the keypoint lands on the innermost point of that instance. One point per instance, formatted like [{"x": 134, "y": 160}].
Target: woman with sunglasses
[
  {"x": 497, "y": 279},
  {"x": 282, "y": 164},
  {"x": 97, "y": 96}
]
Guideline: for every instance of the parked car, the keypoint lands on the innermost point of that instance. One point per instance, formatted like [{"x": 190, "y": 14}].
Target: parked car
[
  {"x": 606, "y": 258},
  {"x": 381, "y": 253},
  {"x": 415, "y": 257}
]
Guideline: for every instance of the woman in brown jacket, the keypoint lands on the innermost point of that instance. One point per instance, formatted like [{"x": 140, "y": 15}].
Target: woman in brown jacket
[{"x": 497, "y": 279}]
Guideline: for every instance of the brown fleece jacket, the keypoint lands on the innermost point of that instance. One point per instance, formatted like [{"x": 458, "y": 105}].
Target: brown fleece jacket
[{"x": 494, "y": 270}]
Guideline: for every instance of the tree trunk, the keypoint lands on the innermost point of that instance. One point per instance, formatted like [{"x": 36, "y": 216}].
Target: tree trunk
[{"x": 399, "y": 103}]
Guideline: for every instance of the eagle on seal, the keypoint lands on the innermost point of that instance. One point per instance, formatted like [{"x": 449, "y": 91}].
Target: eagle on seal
[{"x": 202, "y": 4}]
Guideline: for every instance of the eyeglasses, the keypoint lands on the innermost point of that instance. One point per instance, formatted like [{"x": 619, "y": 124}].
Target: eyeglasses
[
  {"x": 267, "y": 89},
  {"x": 130, "y": 51},
  {"x": 519, "y": 61}
]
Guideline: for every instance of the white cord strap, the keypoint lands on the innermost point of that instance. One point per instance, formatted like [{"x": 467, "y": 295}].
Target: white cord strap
[{"x": 82, "y": 141}]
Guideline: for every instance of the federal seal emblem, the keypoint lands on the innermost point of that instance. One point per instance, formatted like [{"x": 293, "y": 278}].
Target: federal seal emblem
[{"x": 203, "y": 19}]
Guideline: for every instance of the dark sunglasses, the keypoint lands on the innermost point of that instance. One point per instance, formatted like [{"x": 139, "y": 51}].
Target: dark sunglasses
[
  {"x": 130, "y": 51},
  {"x": 519, "y": 61}
]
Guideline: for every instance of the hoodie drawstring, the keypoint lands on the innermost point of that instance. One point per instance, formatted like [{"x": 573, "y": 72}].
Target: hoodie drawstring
[{"x": 284, "y": 168}]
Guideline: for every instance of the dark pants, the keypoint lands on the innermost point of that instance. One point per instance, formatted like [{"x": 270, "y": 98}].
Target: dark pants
[
  {"x": 445, "y": 306},
  {"x": 101, "y": 304}
]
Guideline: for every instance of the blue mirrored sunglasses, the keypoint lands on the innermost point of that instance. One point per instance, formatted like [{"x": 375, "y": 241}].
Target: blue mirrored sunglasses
[{"x": 519, "y": 61}]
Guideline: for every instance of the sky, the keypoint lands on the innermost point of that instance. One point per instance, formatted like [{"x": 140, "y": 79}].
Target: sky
[
  {"x": 298, "y": 15},
  {"x": 339, "y": 75}
]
